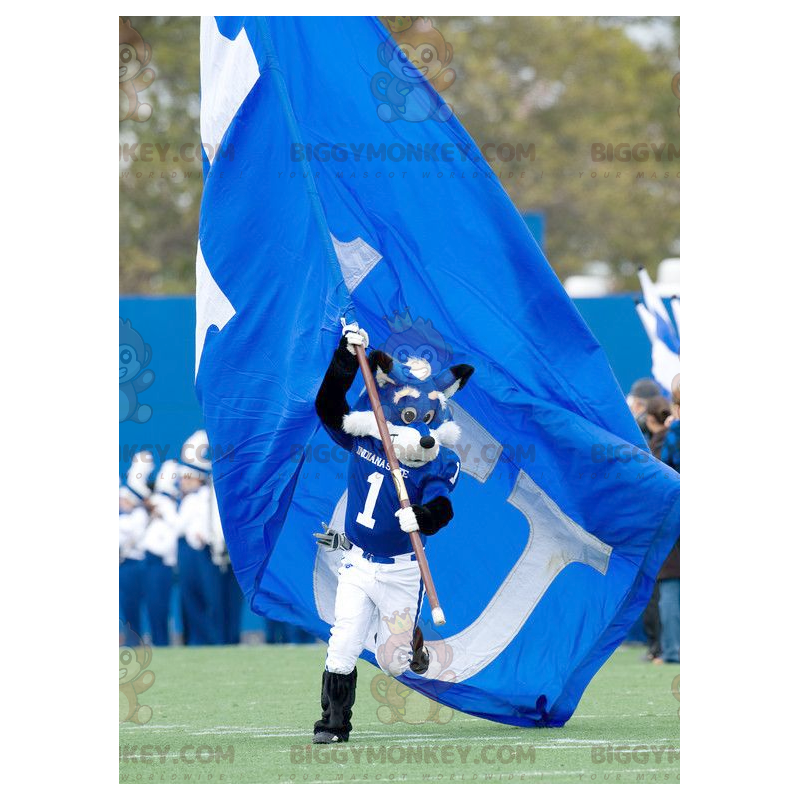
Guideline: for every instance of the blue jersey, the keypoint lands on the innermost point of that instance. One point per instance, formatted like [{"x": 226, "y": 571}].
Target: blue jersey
[{"x": 370, "y": 521}]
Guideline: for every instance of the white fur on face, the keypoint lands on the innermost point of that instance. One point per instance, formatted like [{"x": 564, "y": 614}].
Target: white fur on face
[
  {"x": 447, "y": 434},
  {"x": 407, "y": 448},
  {"x": 405, "y": 439},
  {"x": 406, "y": 391}
]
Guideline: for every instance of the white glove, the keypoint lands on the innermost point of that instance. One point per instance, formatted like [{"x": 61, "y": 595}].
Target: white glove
[
  {"x": 354, "y": 336},
  {"x": 408, "y": 519}
]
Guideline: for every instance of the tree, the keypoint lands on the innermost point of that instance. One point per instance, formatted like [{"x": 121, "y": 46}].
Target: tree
[
  {"x": 562, "y": 84},
  {"x": 159, "y": 198},
  {"x": 566, "y": 84}
]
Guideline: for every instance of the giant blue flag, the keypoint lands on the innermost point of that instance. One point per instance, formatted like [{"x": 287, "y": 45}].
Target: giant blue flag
[{"x": 335, "y": 187}]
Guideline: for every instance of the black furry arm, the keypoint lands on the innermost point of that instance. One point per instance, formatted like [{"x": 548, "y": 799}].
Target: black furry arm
[
  {"x": 331, "y": 402},
  {"x": 434, "y": 515}
]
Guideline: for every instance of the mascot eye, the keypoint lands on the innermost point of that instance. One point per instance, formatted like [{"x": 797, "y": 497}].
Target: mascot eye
[
  {"x": 125, "y": 55},
  {"x": 428, "y": 418},
  {"x": 408, "y": 415},
  {"x": 125, "y": 356},
  {"x": 125, "y": 657},
  {"x": 402, "y": 354},
  {"x": 403, "y": 54},
  {"x": 427, "y": 55}
]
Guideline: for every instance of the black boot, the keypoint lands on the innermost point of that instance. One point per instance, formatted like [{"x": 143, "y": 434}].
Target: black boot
[
  {"x": 338, "y": 696},
  {"x": 420, "y": 659}
]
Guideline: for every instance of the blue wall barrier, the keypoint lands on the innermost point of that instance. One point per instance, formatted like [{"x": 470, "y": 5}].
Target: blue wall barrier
[{"x": 167, "y": 325}]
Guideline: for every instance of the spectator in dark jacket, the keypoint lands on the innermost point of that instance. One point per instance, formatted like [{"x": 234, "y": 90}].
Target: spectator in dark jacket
[
  {"x": 657, "y": 411},
  {"x": 669, "y": 578},
  {"x": 646, "y": 394},
  {"x": 642, "y": 390},
  {"x": 671, "y": 449}
]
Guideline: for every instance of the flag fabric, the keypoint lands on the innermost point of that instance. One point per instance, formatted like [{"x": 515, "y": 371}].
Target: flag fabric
[
  {"x": 664, "y": 336},
  {"x": 675, "y": 305},
  {"x": 319, "y": 204}
]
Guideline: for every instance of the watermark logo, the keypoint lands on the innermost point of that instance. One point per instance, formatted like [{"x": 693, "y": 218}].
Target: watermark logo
[
  {"x": 134, "y": 677},
  {"x": 676, "y": 88},
  {"x": 397, "y": 702},
  {"x": 417, "y": 53},
  {"x": 412, "y": 341},
  {"x": 134, "y": 74},
  {"x": 637, "y": 754},
  {"x": 620, "y": 453},
  {"x": 134, "y": 378},
  {"x": 398, "y": 24},
  {"x": 395, "y": 755},
  {"x": 676, "y": 691},
  {"x": 639, "y": 151}
]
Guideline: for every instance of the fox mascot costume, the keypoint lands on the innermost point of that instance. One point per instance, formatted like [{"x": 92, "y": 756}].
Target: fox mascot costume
[{"x": 378, "y": 576}]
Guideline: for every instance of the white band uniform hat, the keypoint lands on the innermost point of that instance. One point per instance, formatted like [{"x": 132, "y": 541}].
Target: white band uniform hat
[
  {"x": 195, "y": 461},
  {"x": 136, "y": 486},
  {"x": 167, "y": 479}
]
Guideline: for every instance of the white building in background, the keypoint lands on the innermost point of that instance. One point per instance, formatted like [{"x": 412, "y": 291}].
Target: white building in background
[
  {"x": 668, "y": 277},
  {"x": 598, "y": 280}
]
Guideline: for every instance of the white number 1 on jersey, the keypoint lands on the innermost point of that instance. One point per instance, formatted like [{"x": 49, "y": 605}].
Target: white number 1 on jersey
[{"x": 365, "y": 517}]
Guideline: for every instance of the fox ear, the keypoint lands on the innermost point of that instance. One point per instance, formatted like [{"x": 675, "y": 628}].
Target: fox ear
[
  {"x": 381, "y": 364},
  {"x": 449, "y": 381}
]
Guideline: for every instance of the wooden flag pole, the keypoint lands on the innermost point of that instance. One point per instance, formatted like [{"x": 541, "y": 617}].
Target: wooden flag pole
[{"x": 399, "y": 484}]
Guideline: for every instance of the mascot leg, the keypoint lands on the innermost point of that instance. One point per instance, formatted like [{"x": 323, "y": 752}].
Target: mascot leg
[
  {"x": 400, "y": 643},
  {"x": 338, "y": 697},
  {"x": 354, "y": 614}
]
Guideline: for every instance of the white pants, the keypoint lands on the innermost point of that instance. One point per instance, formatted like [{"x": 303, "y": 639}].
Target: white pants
[{"x": 388, "y": 596}]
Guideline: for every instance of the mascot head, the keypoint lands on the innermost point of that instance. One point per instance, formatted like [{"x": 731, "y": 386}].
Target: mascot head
[{"x": 414, "y": 402}]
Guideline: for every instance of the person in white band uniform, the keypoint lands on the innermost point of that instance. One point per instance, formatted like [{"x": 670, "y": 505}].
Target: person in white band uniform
[
  {"x": 198, "y": 575},
  {"x": 132, "y": 526},
  {"x": 161, "y": 550},
  {"x": 230, "y": 593}
]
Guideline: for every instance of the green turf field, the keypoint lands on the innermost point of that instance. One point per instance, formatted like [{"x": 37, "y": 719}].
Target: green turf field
[{"x": 244, "y": 715}]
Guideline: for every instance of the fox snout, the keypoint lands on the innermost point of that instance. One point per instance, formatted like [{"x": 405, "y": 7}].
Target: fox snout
[{"x": 413, "y": 444}]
